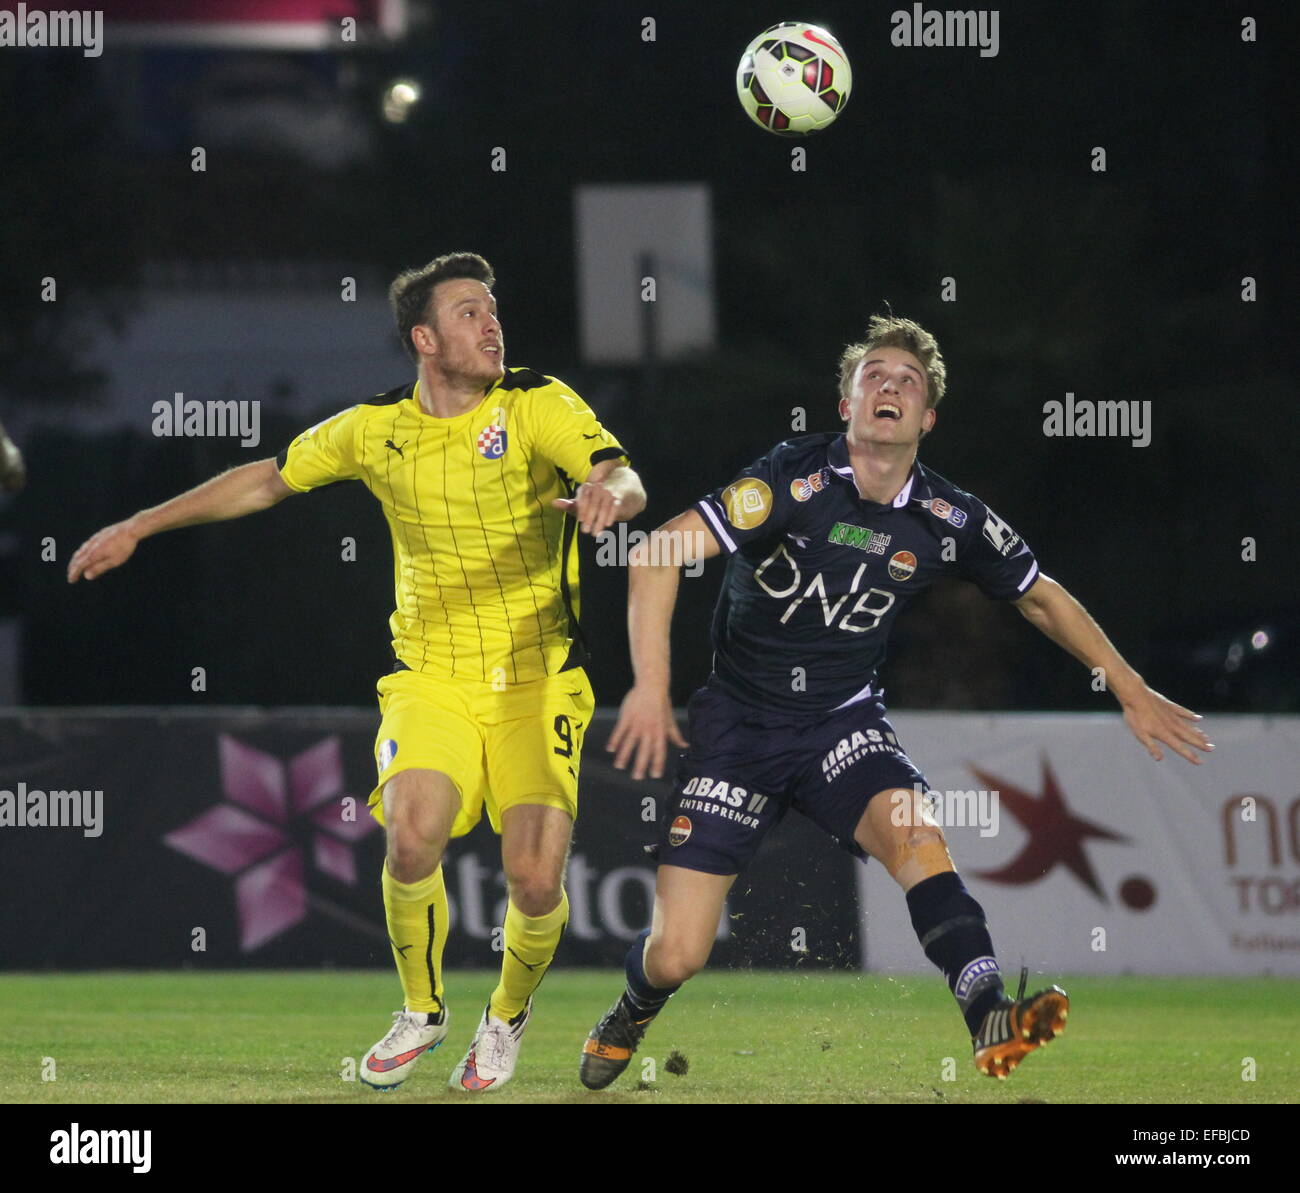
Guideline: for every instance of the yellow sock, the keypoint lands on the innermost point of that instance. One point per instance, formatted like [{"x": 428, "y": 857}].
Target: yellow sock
[
  {"x": 417, "y": 929},
  {"x": 530, "y": 949}
]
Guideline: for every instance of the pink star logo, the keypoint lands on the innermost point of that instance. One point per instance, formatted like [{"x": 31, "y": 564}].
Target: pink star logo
[{"x": 259, "y": 835}]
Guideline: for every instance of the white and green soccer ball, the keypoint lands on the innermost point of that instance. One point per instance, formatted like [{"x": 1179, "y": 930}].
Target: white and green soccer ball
[{"x": 793, "y": 79}]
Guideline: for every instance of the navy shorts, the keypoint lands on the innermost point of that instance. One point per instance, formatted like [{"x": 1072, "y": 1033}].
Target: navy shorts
[{"x": 746, "y": 767}]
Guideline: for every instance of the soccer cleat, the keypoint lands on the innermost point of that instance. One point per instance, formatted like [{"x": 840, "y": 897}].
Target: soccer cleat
[
  {"x": 413, "y": 1033},
  {"x": 1012, "y": 1031},
  {"x": 490, "y": 1061},
  {"x": 609, "y": 1047}
]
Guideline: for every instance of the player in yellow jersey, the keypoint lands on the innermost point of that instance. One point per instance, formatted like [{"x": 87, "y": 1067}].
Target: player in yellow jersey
[{"x": 484, "y": 474}]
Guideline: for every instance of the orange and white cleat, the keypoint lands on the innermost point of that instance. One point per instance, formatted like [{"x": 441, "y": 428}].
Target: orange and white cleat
[
  {"x": 1013, "y": 1030},
  {"x": 608, "y": 1049}
]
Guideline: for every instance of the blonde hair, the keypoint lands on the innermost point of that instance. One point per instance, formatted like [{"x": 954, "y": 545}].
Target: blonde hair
[{"x": 889, "y": 331}]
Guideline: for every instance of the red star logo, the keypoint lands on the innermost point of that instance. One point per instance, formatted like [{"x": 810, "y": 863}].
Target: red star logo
[{"x": 1056, "y": 836}]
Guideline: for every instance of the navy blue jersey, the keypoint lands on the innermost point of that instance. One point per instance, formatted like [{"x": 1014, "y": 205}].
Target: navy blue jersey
[{"x": 817, "y": 575}]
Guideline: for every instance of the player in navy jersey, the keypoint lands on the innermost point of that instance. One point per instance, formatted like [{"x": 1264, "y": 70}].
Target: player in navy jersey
[{"x": 828, "y": 537}]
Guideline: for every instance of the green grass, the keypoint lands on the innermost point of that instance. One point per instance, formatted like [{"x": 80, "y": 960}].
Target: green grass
[{"x": 748, "y": 1037}]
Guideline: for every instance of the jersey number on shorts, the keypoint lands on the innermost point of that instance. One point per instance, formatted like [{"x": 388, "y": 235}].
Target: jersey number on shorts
[{"x": 564, "y": 732}]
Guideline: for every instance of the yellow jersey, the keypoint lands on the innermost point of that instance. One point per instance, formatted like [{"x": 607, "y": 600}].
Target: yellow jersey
[{"x": 485, "y": 570}]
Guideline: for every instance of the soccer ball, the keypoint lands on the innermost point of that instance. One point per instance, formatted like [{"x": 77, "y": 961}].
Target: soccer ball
[{"x": 793, "y": 79}]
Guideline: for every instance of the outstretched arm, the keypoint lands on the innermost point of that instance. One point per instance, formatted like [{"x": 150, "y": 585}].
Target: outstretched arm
[
  {"x": 243, "y": 490},
  {"x": 646, "y": 724},
  {"x": 611, "y": 493},
  {"x": 1149, "y": 715}
]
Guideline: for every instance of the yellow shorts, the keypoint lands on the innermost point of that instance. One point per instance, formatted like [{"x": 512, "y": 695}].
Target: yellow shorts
[{"x": 518, "y": 746}]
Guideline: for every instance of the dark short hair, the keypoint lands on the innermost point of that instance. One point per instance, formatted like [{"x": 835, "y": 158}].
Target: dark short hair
[{"x": 411, "y": 289}]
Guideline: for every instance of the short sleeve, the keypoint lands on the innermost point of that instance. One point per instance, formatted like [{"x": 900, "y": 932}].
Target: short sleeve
[
  {"x": 995, "y": 557},
  {"x": 322, "y": 454},
  {"x": 563, "y": 429},
  {"x": 747, "y": 508}
]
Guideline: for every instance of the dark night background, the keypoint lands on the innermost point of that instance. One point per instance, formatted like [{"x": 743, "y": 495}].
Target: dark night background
[{"x": 1125, "y": 284}]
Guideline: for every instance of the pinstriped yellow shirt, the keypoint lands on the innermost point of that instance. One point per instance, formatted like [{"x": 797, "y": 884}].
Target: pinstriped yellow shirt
[{"x": 485, "y": 571}]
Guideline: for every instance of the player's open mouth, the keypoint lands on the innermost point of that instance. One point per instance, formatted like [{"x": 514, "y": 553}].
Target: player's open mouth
[
  {"x": 492, "y": 349},
  {"x": 888, "y": 410}
]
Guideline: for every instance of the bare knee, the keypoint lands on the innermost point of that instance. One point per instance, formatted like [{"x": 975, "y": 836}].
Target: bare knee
[
  {"x": 535, "y": 890},
  {"x": 670, "y": 962},
  {"x": 921, "y": 853},
  {"x": 922, "y": 839},
  {"x": 413, "y": 854},
  {"x": 417, "y": 821}
]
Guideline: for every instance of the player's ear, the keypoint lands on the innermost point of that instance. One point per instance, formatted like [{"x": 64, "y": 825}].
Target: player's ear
[
  {"x": 928, "y": 420},
  {"x": 844, "y": 410},
  {"x": 426, "y": 343}
]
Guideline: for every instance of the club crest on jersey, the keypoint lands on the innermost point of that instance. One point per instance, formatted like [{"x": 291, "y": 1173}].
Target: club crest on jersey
[
  {"x": 492, "y": 442},
  {"x": 942, "y": 509},
  {"x": 901, "y": 565},
  {"x": 387, "y": 752},
  {"x": 802, "y": 488},
  {"x": 680, "y": 831}
]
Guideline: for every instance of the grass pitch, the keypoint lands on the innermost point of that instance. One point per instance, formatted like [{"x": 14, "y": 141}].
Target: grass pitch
[{"x": 745, "y": 1037}]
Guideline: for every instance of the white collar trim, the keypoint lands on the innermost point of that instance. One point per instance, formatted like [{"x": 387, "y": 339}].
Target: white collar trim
[{"x": 904, "y": 494}]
